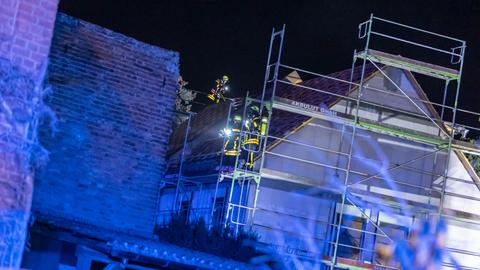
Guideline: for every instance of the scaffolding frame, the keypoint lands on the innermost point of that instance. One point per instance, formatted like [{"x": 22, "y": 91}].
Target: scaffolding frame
[
  {"x": 240, "y": 211},
  {"x": 444, "y": 141}
]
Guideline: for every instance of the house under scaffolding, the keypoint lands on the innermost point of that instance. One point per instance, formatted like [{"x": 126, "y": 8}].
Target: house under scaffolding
[{"x": 350, "y": 161}]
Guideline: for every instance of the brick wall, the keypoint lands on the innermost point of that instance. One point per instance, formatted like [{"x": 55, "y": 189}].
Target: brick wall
[
  {"x": 114, "y": 99},
  {"x": 26, "y": 28}
]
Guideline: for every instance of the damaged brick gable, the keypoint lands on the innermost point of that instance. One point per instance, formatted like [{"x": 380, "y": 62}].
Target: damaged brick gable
[{"x": 114, "y": 98}]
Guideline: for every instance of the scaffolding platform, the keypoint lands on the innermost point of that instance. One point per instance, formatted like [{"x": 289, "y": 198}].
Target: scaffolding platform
[
  {"x": 409, "y": 64},
  {"x": 403, "y": 133},
  {"x": 366, "y": 124},
  {"x": 299, "y": 180},
  {"x": 244, "y": 174}
]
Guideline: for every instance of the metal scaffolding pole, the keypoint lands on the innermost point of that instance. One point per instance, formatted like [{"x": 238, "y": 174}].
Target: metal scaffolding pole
[
  {"x": 450, "y": 140},
  {"x": 345, "y": 187},
  {"x": 220, "y": 176},
  {"x": 179, "y": 179}
]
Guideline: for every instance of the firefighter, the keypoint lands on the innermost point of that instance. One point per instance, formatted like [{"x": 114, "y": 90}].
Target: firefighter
[
  {"x": 256, "y": 126},
  {"x": 264, "y": 122},
  {"x": 252, "y": 126},
  {"x": 232, "y": 141},
  {"x": 217, "y": 93}
]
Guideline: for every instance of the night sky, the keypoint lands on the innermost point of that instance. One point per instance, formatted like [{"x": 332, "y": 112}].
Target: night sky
[{"x": 231, "y": 37}]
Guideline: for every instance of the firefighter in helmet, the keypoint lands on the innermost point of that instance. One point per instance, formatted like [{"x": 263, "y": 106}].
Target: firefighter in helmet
[
  {"x": 252, "y": 127},
  {"x": 232, "y": 135},
  {"x": 256, "y": 126},
  {"x": 217, "y": 93}
]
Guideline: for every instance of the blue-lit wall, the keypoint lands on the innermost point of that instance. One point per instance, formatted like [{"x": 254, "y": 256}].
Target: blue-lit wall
[
  {"x": 114, "y": 98},
  {"x": 26, "y": 29}
]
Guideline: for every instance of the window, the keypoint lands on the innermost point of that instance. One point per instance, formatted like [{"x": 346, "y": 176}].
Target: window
[{"x": 350, "y": 239}]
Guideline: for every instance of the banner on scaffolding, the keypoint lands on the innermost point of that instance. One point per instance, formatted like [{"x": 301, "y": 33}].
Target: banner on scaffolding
[{"x": 305, "y": 106}]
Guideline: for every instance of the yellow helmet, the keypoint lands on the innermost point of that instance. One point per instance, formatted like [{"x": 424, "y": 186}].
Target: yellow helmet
[{"x": 225, "y": 78}]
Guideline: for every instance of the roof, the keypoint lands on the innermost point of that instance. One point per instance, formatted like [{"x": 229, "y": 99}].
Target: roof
[
  {"x": 283, "y": 122},
  {"x": 139, "y": 250},
  {"x": 204, "y": 146},
  {"x": 199, "y": 124}
]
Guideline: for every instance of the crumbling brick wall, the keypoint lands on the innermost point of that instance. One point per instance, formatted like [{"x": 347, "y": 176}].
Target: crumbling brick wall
[
  {"x": 114, "y": 98},
  {"x": 26, "y": 28}
]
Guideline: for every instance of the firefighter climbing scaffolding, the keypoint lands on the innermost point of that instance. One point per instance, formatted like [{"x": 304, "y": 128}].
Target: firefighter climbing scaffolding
[
  {"x": 244, "y": 136},
  {"x": 247, "y": 139},
  {"x": 255, "y": 126},
  {"x": 232, "y": 136}
]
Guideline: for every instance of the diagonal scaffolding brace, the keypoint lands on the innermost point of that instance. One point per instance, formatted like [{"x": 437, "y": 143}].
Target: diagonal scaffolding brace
[{"x": 405, "y": 94}]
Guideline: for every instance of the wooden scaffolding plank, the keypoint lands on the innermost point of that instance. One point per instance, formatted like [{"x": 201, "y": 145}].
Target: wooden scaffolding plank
[{"x": 467, "y": 147}]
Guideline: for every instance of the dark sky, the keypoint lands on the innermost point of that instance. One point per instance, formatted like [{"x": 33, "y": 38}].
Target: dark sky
[{"x": 231, "y": 37}]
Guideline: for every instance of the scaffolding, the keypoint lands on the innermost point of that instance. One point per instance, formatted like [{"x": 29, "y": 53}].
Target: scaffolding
[{"x": 349, "y": 193}]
